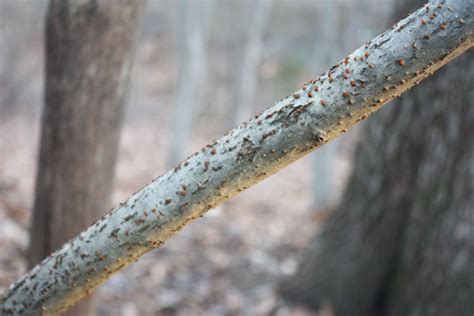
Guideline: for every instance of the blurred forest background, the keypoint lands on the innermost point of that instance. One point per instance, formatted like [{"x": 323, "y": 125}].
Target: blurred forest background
[{"x": 200, "y": 68}]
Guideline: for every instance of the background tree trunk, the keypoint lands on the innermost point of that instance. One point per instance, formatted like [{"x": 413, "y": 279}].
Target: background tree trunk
[
  {"x": 247, "y": 85},
  {"x": 88, "y": 58},
  {"x": 325, "y": 159},
  {"x": 401, "y": 242},
  {"x": 193, "y": 35}
]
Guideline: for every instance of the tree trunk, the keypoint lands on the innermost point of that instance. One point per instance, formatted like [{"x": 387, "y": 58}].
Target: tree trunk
[
  {"x": 324, "y": 163},
  {"x": 88, "y": 58},
  {"x": 382, "y": 69},
  {"x": 193, "y": 35},
  {"x": 401, "y": 242},
  {"x": 248, "y": 79}
]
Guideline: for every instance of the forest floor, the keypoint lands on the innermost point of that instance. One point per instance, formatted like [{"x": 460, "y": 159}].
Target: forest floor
[{"x": 227, "y": 263}]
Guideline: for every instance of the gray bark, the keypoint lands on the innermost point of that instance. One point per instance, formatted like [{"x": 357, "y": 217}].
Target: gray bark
[
  {"x": 401, "y": 242},
  {"x": 294, "y": 126},
  {"x": 88, "y": 59}
]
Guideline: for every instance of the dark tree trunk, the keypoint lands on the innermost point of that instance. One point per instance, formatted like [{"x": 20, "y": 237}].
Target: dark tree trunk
[
  {"x": 402, "y": 240},
  {"x": 89, "y": 50}
]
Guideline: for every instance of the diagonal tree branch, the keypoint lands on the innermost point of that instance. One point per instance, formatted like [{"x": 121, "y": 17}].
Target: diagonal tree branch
[{"x": 349, "y": 92}]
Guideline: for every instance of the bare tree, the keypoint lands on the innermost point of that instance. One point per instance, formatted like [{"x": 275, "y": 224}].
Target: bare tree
[
  {"x": 88, "y": 58},
  {"x": 323, "y": 109},
  {"x": 401, "y": 242},
  {"x": 193, "y": 34},
  {"x": 248, "y": 80}
]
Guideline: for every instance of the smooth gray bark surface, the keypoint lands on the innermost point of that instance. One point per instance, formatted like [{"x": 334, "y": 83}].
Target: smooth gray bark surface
[{"x": 376, "y": 73}]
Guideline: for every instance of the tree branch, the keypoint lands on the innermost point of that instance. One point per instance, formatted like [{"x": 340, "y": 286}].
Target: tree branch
[{"x": 353, "y": 89}]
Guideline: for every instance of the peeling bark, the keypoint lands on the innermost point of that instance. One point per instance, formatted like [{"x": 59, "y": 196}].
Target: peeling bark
[{"x": 325, "y": 107}]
